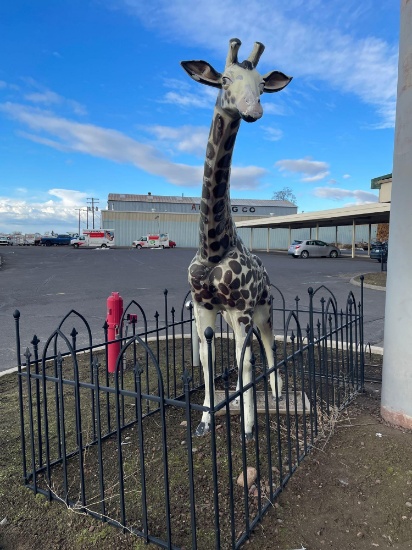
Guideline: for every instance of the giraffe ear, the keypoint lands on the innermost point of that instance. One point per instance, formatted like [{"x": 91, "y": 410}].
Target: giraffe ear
[
  {"x": 275, "y": 81},
  {"x": 203, "y": 72}
]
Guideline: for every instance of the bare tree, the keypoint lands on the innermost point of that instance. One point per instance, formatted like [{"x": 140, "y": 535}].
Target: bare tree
[{"x": 285, "y": 194}]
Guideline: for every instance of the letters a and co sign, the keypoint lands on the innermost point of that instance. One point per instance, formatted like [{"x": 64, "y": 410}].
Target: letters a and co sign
[{"x": 244, "y": 209}]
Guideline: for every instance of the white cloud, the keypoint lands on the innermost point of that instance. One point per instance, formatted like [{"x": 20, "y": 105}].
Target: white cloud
[
  {"x": 186, "y": 139},
  {"x": 199, "y": 101},
  {"x": 7, "y": 86},
  {"x": 310, "y": 170},
  {"x": 46, "y": 97},
  {"x": 57, "y": 213},
  {"x": 346, "y": 176},
  {"x": 272, "y": 134},
  {"x": 69, "y": 198},
  {"x": 274, "y": 109},
  {"x": 316, "y": 39},
  {"x": 246, "y": 178},
  {"x": 336, "y": 194},
  {"x": 67, "y": 135}
]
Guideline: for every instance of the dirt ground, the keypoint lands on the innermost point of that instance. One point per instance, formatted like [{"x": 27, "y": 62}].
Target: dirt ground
[
  {"x": 374, "y": 279},
  {"x": 353, "y": 492}
]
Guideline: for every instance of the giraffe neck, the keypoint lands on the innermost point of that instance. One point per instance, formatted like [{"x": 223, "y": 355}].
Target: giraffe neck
[{"x": 217, "y": 231}]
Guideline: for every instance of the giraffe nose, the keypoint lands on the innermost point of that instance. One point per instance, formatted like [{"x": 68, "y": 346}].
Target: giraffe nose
[{"x": 252, "y": 112}]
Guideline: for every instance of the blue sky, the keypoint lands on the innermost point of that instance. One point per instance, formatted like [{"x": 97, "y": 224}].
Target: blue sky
[{"x": 93, "y": 101}]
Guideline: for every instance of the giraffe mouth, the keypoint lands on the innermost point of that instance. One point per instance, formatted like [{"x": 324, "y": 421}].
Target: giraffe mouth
[{"x": 249, "y": 118}]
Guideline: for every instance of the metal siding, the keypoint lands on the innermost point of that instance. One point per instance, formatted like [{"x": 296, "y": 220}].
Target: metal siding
[
  {"x": 183, "y": 228},
  {"x": 129, "y": 226}
]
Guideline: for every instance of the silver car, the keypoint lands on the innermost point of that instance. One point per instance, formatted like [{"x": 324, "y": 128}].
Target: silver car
[{"x": 312, "y": 248}]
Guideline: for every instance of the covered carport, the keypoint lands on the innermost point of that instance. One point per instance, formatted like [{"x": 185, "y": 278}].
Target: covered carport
[{"x": 363, "y": 214}]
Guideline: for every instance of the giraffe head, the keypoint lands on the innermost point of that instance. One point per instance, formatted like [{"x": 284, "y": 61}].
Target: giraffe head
[{"x": 240, "y": 84}]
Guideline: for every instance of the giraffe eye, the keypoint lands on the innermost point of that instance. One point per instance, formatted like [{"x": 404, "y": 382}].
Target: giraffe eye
[
  {"x": 261, "y": 87},
  {"x": 226, "y": 81}
]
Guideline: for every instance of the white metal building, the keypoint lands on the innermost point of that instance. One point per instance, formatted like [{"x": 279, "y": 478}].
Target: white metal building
[{"x": 132, "y": 216}]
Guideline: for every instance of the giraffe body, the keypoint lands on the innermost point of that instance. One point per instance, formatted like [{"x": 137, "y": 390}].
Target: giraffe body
[{"x": 224, "y": 275}]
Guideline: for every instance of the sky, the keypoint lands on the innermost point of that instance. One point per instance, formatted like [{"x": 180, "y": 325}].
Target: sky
[{"x": 93, "y": 101}]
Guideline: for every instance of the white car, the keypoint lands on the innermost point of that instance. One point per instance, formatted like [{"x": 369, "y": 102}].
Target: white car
[
  {"x": 311, "y": 248},
  {"x": 4, "y": 241}
]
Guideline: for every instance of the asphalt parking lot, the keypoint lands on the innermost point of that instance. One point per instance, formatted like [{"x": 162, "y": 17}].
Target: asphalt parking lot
[{"x": 44, "y": 284}]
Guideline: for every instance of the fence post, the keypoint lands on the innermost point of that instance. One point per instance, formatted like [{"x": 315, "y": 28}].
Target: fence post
[
  {"x": 195, "y": 338},
  {"x": 16, "y": 316}
]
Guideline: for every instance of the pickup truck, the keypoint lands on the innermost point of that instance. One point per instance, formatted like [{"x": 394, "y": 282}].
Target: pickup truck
[{"x": 58, "y": 240}]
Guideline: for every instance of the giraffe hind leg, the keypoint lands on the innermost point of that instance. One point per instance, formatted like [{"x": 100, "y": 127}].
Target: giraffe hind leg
[
  {"x": 261, "y": 318},
  {"x": 239, "y": 332}
]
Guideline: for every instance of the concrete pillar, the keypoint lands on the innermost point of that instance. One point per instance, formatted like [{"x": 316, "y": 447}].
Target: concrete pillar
[{"x": 396, "y": 404}]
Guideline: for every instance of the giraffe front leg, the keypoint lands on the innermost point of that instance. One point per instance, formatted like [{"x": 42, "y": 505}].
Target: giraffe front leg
[{"x": 205, "y": 318}]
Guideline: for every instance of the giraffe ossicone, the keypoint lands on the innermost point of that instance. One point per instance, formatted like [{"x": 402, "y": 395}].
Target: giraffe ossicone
[{"x": 225, "y": 276}]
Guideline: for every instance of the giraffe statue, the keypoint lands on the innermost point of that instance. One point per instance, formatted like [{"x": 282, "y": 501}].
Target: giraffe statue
[{"x": 224, "y": 276}]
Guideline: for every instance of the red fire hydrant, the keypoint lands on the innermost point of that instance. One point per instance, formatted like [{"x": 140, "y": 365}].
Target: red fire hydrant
[{"x": 114, "y": 314}]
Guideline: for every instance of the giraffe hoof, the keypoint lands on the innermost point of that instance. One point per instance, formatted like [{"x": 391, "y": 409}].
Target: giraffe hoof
[
  {"x": 249, "y": 437},
  {"x": 278, "y": 399},
  {"x": 202, "y": 429}
]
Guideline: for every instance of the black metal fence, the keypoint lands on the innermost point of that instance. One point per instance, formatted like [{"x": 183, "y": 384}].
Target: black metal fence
[{"x": 121, "y": 447}]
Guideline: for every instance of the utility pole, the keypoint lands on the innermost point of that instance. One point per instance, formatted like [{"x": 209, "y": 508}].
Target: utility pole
[
  {"x": 92, "y": 201},
  {"x": 79, "y": 210},
  {"x": 396, "y": 404}
]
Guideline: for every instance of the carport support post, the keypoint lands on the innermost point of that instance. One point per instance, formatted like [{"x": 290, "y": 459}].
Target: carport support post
[
  {"x": 369, "y": 238},
  {"x": 336, "y": 235},
  {"x": 268, "y": 239},
  {"x": 396, "y": 404},
  {"x": 251, "y": 238},
  {"x": 290, "y": 236},
  {"x": 353, "y": 238}
]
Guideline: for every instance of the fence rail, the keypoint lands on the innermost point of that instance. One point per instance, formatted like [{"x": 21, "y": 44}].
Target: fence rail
[{"x": 121, "y": 447}]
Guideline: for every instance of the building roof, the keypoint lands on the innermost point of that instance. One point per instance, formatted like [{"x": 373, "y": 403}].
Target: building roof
[
  {"x": 361, "y": 214},
  {"x": 192, "y": 200},
  {"x": 377, "y": 182}
]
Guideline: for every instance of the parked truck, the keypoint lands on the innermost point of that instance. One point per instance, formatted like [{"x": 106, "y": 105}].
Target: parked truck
[
  {"x": 94, "y": 238},
  {"x": 29, "y": 239},
  {"x": 55, "y": 240},
  {"x": 154, "y": 240}
]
